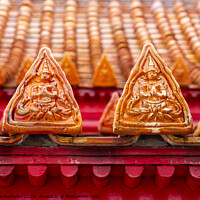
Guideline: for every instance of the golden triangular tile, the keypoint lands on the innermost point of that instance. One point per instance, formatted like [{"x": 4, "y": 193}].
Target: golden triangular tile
[
  {"x": 181, "y": 73},
  {"x": 104, "y": 75},
  {"x": 70, "y": 70},
  {"x": 152, "y": 102},
  {"x": 43, "y": 102},
  {"x": 25, "y": 66},
  {"x": 107, "y": 118}
]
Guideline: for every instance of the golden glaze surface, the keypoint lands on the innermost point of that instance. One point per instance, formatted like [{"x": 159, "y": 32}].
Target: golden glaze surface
[
  {"x": 107, "y": 118},
  {"x": 152, "y": 102},
  {"x": 181, "y": 72},
  {"x": 104, "y": 75},
  {"x": 70, "y": 70},
  {"x": 44, "y": 102}
]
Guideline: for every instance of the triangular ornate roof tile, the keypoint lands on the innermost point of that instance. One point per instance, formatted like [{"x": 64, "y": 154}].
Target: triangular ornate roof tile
[
  {"x": 70, "y": 70},
  {"x": 43, "y": 102},
  {"x": 181, "y": 72},
  {"x": 104, "y": 75},
  {"x": 152, "y": 102},
  {"x": 107, "y": 118}
]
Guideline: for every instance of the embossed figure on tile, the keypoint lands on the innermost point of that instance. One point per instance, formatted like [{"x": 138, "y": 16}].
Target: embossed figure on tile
[
  {"x": 42, "y": 102},
  {"x": 153, "y": 100}
]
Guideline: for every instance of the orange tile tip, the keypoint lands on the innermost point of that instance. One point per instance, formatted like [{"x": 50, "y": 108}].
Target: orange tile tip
[
  {"x": 43, "y": 102},
  {"x": 104, "y": 75},
  {"x": 106, "y": 122},
  {"x": 136, "y": 4},
  {"x": 25, "y": 66},
  {"x": 2, "y": 76},
  {"x": 70, "y": 70},
  {"x": 152, "y": 102},
  {"x": 181, "y": 73}
]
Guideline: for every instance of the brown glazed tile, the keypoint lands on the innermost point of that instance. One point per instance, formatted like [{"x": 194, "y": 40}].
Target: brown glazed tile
[
  {"x": 106, "y": 122},
  {"x": 104, "y": 74},
  {"x": 152, "y": 102},
  {"x": 43, "y": 102},
  {"x": 181, "y": 72},
  {"x": 70, "y": 70}
]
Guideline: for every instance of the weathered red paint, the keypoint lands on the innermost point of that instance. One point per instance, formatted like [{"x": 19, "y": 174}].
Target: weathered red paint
[
  {"x": 193, "y": 177},
  {"x": 164, "y": 175},
  {"x": 69, "y": 175},
  {"x": 116, "y": 179},
  {"x": 101, "y": 175},
  {"x": 94, "y": 151},
  {"x": 133, "y": 175},
  {"x": 37, "y": 174},
  {"x": 6, "y": 175},
  {"x": 115, "y": 189}
]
